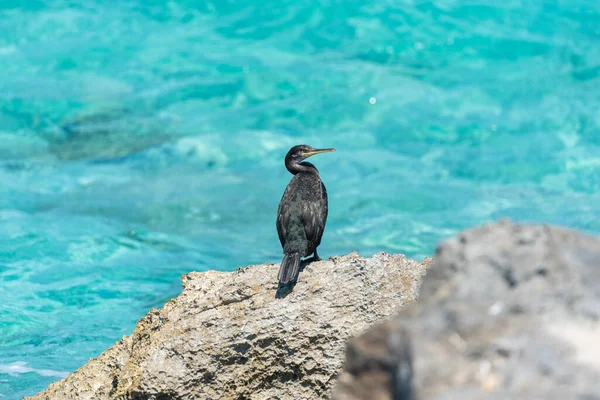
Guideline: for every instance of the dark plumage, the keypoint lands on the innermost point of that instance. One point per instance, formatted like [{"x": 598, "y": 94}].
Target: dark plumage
[{"x": 302, "y": 212}]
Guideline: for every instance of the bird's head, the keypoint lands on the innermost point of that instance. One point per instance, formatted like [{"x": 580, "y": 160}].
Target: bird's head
[{"x": 301, "y": 152}]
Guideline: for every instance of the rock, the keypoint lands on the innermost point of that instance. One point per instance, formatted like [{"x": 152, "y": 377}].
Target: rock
[
  {"x": 506, "y": 311},
  {"x": 227, "y": 336},
  {"x": 378, "y": 365}
]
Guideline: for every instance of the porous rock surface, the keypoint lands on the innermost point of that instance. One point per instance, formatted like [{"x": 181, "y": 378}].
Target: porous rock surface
[
  {"x": 506, "y": 311},
  {"x": 227, "y": 336}
]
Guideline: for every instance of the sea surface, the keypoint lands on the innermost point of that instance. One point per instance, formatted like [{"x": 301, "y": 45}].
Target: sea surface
[{"x": 143, "y": 139}]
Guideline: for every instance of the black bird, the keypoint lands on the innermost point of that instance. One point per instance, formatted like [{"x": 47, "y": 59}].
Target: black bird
[{"x": 302, "y": 212}]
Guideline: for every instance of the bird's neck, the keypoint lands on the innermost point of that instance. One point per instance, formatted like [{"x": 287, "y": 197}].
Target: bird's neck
[{"x": 303, "y": 167}]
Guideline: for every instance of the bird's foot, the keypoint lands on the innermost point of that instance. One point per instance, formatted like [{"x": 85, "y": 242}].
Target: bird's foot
[{"x": 315, "y": 257}]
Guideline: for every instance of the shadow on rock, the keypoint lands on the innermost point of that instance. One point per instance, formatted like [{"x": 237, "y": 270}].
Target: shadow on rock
[{"x": 284, "y": 290}]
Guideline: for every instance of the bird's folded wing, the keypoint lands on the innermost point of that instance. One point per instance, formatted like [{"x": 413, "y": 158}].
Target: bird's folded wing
[{"x": 314, "y": 216}]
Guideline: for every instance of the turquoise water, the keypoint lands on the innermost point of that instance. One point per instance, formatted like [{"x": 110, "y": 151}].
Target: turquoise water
[{"x": 141, "y": 140}]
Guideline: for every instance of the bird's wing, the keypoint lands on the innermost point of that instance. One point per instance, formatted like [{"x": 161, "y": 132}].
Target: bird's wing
[
  {"x": 314, "y": 216},
  {"x": 325, "y": 208},
  {"x": 283, "y": 217}
]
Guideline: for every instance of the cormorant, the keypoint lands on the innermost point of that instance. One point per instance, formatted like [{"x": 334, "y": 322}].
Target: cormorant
[{"x": 302, "y": 212}]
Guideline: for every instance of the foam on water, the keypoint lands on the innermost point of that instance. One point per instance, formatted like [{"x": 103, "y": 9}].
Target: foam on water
[
  {"x": 20, "y": 367},
  {"x": 141, "y": 140}
]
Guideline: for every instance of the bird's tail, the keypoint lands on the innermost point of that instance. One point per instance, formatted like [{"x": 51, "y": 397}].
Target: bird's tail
[{"x": 289, "y": 268}]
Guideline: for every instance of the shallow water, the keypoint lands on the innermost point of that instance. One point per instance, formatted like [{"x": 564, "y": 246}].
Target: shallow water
[{"x": 141, "y": 140}]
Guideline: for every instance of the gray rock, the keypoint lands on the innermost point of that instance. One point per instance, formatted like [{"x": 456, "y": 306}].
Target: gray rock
[
  {"x": 378, "y": 365},
  {"x": 506, "y": 311},
  {"x": 227, "y": 337}
]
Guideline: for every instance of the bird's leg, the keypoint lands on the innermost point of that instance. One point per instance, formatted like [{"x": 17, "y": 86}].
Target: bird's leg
[{"x": 315, "y": 256}]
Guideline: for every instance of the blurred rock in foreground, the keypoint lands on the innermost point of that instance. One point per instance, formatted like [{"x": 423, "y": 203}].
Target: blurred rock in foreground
[
  {"x": 227, "y": 337},
  {"x": 506, "y": 311}
]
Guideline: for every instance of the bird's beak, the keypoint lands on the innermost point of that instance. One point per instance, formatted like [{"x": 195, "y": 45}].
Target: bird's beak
[{"x": 316, "y": 151}]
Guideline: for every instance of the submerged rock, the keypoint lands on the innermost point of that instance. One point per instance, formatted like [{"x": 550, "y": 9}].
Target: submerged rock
[
  {"x": 227, "y": 336},
  {"x": 107, "y": 134},
  {"x": 506, "y": 311}
]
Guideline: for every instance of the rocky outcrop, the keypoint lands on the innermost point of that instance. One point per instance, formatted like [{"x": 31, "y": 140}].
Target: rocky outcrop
[
  {"x": 506, "y": 311},
  {"x": 227, "y": 336}
]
